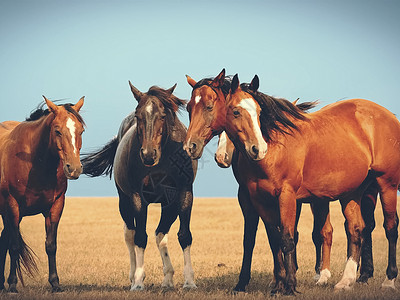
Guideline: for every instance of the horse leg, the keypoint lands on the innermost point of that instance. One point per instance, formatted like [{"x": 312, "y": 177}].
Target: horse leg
[
  {"x": 4, "y": 242},
  {"x": 355, "y": 226},
  {"x": 251, "y": 220},
  {"x": 368, "y": 204},
  {"x": 185, "y": 237},
  {"x": 140, "y": 246},
  {"x": 296, "y": 233},
  {"x": 127, "y": 214},
  {"x": 287, "y": 212},
  {"x": 388, "y": 195},
  {"x": 322, "y": 238},
  {"x": 51, "y": 249},
  {"x": 168, "y": 216},
  {"x": 126, "y": 211},
  {"x": 274, "y": 238},
  {"x": 52, "y": 219}
]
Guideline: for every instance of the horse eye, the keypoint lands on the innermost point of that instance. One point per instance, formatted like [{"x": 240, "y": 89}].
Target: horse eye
[
  {"x": 210, "y": 107},
  {"x": 58, "y": 132},
  {"x": 236, "y": 113}
]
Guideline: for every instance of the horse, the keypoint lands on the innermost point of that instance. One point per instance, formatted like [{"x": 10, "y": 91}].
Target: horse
[
  {"x": 322, "y": 233},
  {"x": 150, "y": 166},
  {"x": 206, "y": 110},
  {"x": 348, "y": 150},
  {"x": 36, "y": 159}
]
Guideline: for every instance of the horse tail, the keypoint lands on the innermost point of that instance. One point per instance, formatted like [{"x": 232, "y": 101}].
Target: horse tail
[
  {"x": 25, "y": 255},
  {"x": 100, "y": 162}
]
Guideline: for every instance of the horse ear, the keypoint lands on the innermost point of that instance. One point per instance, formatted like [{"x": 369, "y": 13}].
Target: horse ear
[
  {"x": 79, "y": 104},
  {"x": 235, "y": 83},
  {"x": 52, "y": 107},
  {"x": 219, "y": 80},
  {"x": 171, "y": 90},
  {"x": 191, "y": 81},
  {"x": 255, "y": 83},
  {"x": 136, "y": 93}
]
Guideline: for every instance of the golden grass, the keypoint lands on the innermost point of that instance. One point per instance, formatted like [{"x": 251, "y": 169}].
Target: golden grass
[{"x": 93, "y": 259}]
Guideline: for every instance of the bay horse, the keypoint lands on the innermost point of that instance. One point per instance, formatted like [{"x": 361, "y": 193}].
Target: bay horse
[
  {"x": 36, "y": 159},
  {"x": 150, "y": 166},
  {"x": 207, "y": 112},
  {"x": 348, "y": 150}
]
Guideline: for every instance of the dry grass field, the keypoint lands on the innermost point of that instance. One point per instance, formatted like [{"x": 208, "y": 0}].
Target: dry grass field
[{"x": 93, "y": 259}]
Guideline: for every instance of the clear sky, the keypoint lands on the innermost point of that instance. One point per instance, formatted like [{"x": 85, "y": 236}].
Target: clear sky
[{"x": 325, "y": 50}]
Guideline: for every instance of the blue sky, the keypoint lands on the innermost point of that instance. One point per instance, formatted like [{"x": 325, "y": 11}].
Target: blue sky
[{"x": 325, "y": 50}]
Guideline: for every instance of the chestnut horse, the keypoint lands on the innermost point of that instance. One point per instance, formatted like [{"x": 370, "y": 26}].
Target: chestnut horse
[
  {"x": 348, "y": 150},
  {"x": 150, "y": 166},
  {"x": 207, "y": 112},
  {"x": 36, "y": 159},
  {"x": 322, "y": 233}
]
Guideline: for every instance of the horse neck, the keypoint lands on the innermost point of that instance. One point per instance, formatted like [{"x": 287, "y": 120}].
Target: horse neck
[{"x": 36, "y": 136}]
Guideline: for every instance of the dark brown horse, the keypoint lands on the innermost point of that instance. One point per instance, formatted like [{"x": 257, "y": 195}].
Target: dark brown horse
[
  {"x": 348, "y": 151},
  {"x": 207, "y": 112},
  {"x": 36, "y": 159},
  {"x": 150, "y": 166}
]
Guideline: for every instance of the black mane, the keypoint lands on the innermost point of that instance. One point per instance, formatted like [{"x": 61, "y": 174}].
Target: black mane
[
  {"x": 170, "y": 101},
  {"x": 274, "y": 111},
  {"x": 207, "y": 81},
  {"x": 40, "y": 111}
]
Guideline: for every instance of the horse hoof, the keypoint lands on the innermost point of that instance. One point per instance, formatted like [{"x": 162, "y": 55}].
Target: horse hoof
[
  {"x": 189, "y": 286},
  {"x": 12, "y": 290},
  {"x": 238, "y": 289},
  {"x": 56, "y": 289},
  {"x": 363, "y": 279},
  {"x": 137, "y": 287},
  {"x": 323, "y": 277},
  {"x": 389, "y": 284}
]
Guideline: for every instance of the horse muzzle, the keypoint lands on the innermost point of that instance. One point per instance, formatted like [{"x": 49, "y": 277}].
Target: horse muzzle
[
  {"x": 255, "y": 152},
  {"x": 149, "y": 157},
  {"x": 223, "y": 160},
  {"x": 71, "y": 171},
  {"x": 194, "y": 149}
]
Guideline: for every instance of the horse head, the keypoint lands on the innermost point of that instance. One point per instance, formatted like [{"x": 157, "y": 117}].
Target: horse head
[
  {"x": 154, "y": 113},
  {"x": 66, "y": 131},
  {"x": 206, "y": 112},
  {"x": 243, "y": 119}
]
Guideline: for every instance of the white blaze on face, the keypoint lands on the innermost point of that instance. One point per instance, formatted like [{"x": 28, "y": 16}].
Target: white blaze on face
[
  {"x": 149, "y": 108},
  {"x": 249, "y": 105},
  {"x": 71, "y": 127},
  {"x": 197, "y": 99}
]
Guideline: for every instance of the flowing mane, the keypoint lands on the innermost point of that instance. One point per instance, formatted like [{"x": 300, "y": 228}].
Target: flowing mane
[
  {"x": 275, "y": 112},
  {"x": 207, "y": 81},
  {"x": 41, "y": 112},
  {"x": 170, "y": 101}
]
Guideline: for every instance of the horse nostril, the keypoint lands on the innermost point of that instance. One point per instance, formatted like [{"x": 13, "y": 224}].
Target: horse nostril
[
  {"x": 193, "y": 147},
  {"x": 255, "y": 149},
  {"x": 68, "y": 167},
  {"x": 155, "y": 152}
]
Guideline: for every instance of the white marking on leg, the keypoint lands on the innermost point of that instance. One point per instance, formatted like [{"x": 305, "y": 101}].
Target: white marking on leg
[
  {"x": 71, "y": 126},
  {"x": 130, "y": 243},
  {"x": 349, "y": 275},
  {"x": 249, "y": 105},
  {"x": 324, "y": 275},
  {"x": 188, "y": 270},
  {"x": 197, "y": 99},
  {"x": 162, "y": 241},
  {"x": 389, "y": 283},
  {"x": 139, "y": 272}
]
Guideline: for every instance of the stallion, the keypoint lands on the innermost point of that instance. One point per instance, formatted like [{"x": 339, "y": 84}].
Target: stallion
[
  {"x": 348, "y": 150},
  {"x": 36, "y": 159},
  {"x": 150, "y": 166}
]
